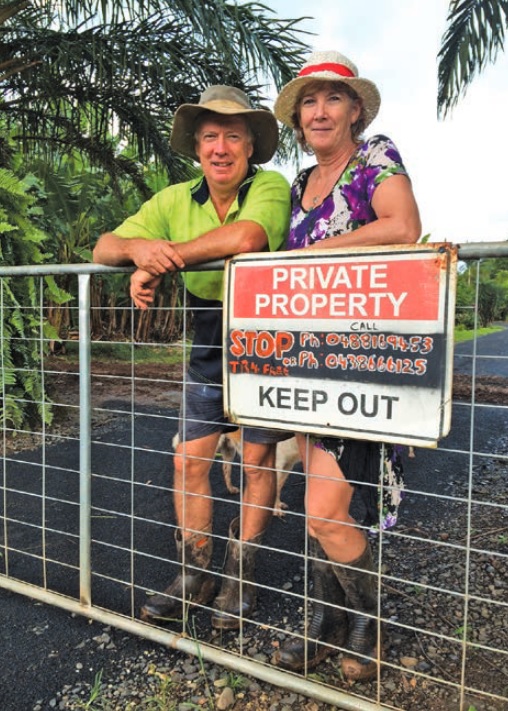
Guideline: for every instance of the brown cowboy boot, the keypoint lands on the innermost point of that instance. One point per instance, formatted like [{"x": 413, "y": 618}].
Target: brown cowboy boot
[
  {"x": 234, "y": 601},
  {"x": 327, "y": 626},
  {"x": 193, "y": 585},
  {"x": 359, "y": 584}
]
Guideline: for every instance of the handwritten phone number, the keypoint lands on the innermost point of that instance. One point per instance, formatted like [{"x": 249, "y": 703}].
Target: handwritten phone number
[
  {"x": 377, "y": 364},
  {"x": 380, "y": 341}
]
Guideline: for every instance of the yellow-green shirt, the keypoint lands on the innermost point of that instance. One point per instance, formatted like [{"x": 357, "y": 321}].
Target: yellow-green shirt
[
  {"x": 185, "y": 211},
  {"x": 182, "y": 212}
]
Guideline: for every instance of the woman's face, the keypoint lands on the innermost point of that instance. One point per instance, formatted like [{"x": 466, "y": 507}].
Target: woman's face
[{"x": 326, "y": 116}]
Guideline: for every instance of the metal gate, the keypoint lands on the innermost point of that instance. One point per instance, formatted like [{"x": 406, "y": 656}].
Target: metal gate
[{"x": 87, "y": 525}]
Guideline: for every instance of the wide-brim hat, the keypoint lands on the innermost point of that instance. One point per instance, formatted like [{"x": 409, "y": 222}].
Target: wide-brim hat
[
  {"x": 327, "y": 66},
  {"x": 229, "y": 101}
]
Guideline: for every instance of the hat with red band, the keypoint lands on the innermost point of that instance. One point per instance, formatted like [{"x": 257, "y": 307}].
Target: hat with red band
[{"x": 327, "y": 66}]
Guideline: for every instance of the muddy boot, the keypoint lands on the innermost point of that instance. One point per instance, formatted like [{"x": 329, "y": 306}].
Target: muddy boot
[
  {"x": 194, "y": 581},
  {"x": 327, "y": 624},
  {"x": 235, "y": 601},
  {"x": 359, "y": 585}
]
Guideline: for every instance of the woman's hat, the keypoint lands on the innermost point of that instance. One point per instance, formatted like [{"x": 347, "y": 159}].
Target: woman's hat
[
  {"x": 229, "y": 101},
  {"x": 327, "y": 66}
]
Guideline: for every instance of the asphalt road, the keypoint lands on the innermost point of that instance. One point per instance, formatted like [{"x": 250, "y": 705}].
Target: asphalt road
[
  {"x": 491, "y": 355},
  {"x": 45, "y": 648}
]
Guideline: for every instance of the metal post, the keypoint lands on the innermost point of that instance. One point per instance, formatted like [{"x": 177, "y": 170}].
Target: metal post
[{"x": 85, "y": 434}]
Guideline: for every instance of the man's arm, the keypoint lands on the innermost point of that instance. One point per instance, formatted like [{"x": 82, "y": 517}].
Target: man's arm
[
  {"x": 159, "y": 256},
  {"x": 155, "y": 256},
  {"x": 241, "y": 236},
  {"x": 224, "y": 241}
]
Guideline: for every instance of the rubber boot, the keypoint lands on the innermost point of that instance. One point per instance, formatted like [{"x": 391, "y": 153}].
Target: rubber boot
[
  {"x": 327, "y": 624},
  {"x": 359, "y": 585},
  {"x": 236, "y": 601},
  {"x": 194, "y": 581}
]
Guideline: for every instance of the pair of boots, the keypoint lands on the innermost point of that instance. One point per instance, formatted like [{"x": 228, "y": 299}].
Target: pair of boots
[
  {"x": 196, "y": 586},
  {"x": 343, "y": 614}
]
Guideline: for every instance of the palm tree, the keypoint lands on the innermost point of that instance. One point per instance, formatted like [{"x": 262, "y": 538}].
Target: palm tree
[
  {"x": 474, "y": 35},
  {"x": 74, "y": 73}
]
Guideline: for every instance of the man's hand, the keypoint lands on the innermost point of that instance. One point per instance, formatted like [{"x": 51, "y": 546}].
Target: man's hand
[
  {"x": 156, "y": 256},
  {"x": 143, "y": 286}
]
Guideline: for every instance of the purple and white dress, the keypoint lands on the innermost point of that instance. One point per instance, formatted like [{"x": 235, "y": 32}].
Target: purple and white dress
[{"x": 346, "y": 208}]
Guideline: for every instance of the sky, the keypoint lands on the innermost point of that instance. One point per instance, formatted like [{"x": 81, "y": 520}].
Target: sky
[{"x": 457, "y": 165}]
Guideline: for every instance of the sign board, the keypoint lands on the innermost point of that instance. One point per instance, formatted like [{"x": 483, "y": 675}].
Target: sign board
[{"x": 357, "y": 343}]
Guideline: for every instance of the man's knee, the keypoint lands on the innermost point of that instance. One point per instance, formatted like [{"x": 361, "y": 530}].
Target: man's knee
[
  {"x": 258, "y": 456},
  {"x": 191, "y": 468}
]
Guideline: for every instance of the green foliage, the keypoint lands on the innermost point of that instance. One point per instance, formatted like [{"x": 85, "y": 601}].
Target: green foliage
[
  {"x": 21, "y": 331},
  {"x": 492, "y": 294},
  {"x": 491, "y": 302},
  {"x": 76, "y": 203},
  {"x": 465, "y": 301}
]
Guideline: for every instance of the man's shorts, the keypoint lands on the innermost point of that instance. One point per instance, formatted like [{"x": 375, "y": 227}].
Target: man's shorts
[{"x": 202, "y": 414}]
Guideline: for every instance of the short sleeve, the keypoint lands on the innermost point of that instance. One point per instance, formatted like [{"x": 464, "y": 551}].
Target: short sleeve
[{"x": 268, "y": 204}]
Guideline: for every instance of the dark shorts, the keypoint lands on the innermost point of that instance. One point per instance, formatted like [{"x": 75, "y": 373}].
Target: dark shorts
[{"x": 202, "y": 414}]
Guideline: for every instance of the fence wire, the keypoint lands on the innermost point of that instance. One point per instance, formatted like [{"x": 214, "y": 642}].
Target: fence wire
[{"x": 87, "y": 522}]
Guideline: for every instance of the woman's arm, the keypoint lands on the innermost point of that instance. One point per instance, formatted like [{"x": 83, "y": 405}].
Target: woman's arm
[{"x": 398, "y": 219}]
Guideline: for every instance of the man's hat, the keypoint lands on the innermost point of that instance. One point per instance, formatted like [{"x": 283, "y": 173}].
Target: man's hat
[{"x": 229, "y": 101}]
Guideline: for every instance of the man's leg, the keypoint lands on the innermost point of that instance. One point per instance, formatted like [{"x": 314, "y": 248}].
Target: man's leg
[
  {"x": 193, "y": 584},
  {"x": 237, "y": 598},
  {"x": 192, "y": 492},
  {"x": 260, "y": 488}
]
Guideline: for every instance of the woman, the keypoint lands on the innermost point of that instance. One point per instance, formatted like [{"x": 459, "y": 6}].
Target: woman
[{"x": 357, "y": 194}]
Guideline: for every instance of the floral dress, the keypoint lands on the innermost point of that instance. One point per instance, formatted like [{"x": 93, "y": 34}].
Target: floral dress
[{"x": 347, "y": 207}]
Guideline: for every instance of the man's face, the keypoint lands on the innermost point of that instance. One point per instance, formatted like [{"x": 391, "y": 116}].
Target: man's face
[{"x": 224, "y": 146}]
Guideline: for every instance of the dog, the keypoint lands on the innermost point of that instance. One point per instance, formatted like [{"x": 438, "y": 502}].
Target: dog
[{"x": 287, "y": 456}]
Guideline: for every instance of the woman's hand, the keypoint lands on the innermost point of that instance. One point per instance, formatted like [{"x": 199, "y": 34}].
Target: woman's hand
[{"x": 142, "y": 288}]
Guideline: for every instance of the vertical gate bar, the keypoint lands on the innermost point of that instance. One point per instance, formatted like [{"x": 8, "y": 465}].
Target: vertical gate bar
[
  {"x": 85, "y": 433},
  {"x": 4, "y": 432}
]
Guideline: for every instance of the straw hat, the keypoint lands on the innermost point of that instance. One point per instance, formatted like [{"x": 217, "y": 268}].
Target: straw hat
[
  {"x": 229, "y": 101},
  {"x": 327, "y": 66}
]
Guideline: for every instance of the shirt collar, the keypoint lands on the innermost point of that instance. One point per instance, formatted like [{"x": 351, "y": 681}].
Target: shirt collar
[{"x": 201, "y": 193}]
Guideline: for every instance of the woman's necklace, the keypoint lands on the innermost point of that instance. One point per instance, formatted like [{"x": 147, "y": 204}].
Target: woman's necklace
[
  {"x": 324, "y": 189},
  {"x": 327, "y": 184}
]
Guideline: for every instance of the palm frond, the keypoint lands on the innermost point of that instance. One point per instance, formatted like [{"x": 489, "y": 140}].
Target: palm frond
[
  {"x": 474, "y": 36},
  {"x": 97, "y": 72}
]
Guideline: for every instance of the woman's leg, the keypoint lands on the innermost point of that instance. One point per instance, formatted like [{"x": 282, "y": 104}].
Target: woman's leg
[
  {"x": 329, "y": 497},
  {"x": 328, "y": 501}
]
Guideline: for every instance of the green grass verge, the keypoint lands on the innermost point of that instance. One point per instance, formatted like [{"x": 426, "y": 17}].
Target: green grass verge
[
  {"x": 169, "y": 354},
  {"x": 462, "y": 334}
]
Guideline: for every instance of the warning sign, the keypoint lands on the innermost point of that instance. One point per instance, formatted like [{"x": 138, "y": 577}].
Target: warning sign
[{"x": 357, "y": 343}]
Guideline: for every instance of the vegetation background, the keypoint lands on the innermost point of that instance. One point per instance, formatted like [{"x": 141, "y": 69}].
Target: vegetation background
[{"x": 88, "y": 89}]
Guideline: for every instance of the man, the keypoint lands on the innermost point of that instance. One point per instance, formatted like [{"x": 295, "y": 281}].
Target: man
[{"x": 232, "y": 208}]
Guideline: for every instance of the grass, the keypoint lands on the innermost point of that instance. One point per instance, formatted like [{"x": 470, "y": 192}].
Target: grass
[
  {"x": 167, "y": 695},
  {"x": 464, "y": 334},
  {"x": 169, "y": 354}
]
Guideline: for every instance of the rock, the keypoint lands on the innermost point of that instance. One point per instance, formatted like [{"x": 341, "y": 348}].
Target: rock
[
  {"x": 408, "y": 661},
  {"x": 226, "y": 699}
]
